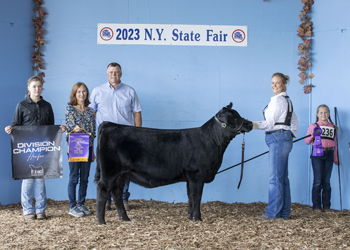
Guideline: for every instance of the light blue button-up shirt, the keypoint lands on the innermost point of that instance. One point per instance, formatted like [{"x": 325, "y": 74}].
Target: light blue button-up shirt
[{"x": 115, "y": 105}]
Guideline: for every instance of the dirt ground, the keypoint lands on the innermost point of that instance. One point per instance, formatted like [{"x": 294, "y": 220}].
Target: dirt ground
[{"x": 161, "y": 225}]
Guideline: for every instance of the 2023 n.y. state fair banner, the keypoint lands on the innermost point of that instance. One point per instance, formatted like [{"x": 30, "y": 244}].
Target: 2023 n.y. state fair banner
[
  {"x": 36, "y": 152},
  {"x": 172, "y": 34}
]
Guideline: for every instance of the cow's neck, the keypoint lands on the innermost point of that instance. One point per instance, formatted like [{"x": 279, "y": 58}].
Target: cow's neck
[{"x": 219, "y": 135}]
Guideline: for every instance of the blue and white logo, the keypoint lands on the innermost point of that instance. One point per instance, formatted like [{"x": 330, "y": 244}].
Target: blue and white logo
[
  {"x": 106, "y": 34},
  {"x": 238, "y": 36}
]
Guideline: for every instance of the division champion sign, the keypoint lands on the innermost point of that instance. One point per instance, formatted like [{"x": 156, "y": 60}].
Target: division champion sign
[
  {"x": 36, "y": 152},
  {"x": 162, "y": 34}
]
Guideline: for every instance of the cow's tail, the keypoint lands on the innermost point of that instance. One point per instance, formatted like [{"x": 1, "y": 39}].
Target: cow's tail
[
  {"x": 98, "y": 156},
  {"x": 97, "y": 174}
]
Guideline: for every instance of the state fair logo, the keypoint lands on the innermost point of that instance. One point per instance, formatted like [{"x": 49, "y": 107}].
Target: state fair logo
[
  {"x": 106, "y": 34},
  {"x": 238, "y": 36}
]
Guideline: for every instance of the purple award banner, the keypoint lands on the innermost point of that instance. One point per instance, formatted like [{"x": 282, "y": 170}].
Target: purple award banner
[
  {"x": 318, "y": 149},
  {"x": 36, "y": 152},
  {"x": 78, "y": 147}
]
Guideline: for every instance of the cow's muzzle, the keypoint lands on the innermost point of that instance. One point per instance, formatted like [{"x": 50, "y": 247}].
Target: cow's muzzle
[{"x": 246, "y": 126}]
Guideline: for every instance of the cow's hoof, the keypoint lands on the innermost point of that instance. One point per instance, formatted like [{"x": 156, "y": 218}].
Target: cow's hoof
[
  {"x": 190, "y": 217},
  {"x": 126, "y": 219},
  {"x": 197, "y": 219},
  {"x": 102, "y": 223}
]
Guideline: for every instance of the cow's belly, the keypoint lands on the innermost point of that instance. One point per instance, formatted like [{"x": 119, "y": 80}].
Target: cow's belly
[{"x": 149, "y": 181}]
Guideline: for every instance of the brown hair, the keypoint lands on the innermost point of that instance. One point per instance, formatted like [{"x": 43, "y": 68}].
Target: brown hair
[
  {"x": 33, "y": 79},
  {"x": 285, "y": 78},
  {"x": 73, "y": 100},
  {"x": 325, "y": 106}
]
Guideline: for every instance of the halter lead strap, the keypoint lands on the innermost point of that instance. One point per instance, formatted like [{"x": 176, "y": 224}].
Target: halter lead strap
[
  {"x": 243, "y": 147},
  {"x": 242, "y": 162}
]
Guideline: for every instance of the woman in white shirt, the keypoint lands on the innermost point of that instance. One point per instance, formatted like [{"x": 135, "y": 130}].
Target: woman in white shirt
[{"x": 280, "y": 125}]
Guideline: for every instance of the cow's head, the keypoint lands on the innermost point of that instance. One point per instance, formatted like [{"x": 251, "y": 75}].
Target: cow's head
[{"x": 231, "y": 120}]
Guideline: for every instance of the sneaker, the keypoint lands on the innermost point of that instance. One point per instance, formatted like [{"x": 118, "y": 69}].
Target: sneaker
[
  {"x": 76, "y": 212},
  {"x": 327, "y": 210},
  {"x": 261, "y": 217},
  {"x": 84, "y": 209},
  {"x": 29, "y": 217},
  {"x": 127, "y": 206},
  {"x": 317, "y": 210},
  {"x": 41, "y": 216}
]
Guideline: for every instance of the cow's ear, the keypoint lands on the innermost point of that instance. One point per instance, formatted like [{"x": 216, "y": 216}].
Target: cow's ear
[{"x": 229, "y": 106}]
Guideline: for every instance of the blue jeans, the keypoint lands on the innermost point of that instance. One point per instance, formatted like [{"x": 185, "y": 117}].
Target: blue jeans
[
  {"x": 279, "y": 201},
  {"x": 78, "y": 170},
  {"x": 322, "y": 167},
  {"x": 126, "y": 193},
  {"x": 38, "y": 186}
]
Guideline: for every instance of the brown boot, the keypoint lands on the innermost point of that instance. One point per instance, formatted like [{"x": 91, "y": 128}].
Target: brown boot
[
  {"x": 41, "y": 216},
  {"x": 29, "y": 217}
]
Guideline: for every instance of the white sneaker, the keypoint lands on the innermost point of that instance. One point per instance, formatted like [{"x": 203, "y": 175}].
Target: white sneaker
[
  {"x": 84, "y": 209},
  {"x": 76, "y": 212}
]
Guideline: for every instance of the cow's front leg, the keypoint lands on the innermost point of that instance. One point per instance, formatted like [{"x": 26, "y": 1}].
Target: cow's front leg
[
  {"x": 196, "y": 190},
  {"x": 117, "y": 193},
  {"x": 190, "y": 203},
  {"x": 101, "y": 202}
]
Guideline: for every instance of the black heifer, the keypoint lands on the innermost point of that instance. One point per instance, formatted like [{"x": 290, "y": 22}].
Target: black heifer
[{"x": 157, "y": 157}]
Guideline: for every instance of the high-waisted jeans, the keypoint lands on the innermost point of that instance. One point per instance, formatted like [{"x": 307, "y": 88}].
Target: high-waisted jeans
[{"x": 279, "y": 201}]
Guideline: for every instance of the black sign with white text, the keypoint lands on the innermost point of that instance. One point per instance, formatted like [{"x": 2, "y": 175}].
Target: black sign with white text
[{"x": 36, "y": 152}]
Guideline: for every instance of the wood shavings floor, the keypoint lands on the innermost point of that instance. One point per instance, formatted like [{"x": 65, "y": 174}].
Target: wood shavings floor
[{"x": 162, "y": 225}]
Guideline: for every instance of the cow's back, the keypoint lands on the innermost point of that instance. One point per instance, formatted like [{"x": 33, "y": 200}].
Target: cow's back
[{"x": 155, "y": 157}]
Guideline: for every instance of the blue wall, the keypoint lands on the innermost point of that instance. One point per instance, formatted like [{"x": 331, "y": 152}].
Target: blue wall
[
  {"x": 16, "y": 47},
  {"x": 331, "y": 53},
  {"x": 184, "y": 86}
]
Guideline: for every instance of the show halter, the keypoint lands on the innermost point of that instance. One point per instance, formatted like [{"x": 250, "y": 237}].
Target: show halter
[
  {"x": 243, "y": 146},
  {"x": 224, "y": 125}
]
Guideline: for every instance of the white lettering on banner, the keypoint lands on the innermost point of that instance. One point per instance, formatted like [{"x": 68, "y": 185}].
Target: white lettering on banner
[
  {"x": 171, "y": 34},
  {"x": 44, "y": 146}
]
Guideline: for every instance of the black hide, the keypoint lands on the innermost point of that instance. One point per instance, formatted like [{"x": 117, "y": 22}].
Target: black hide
[{"x": 157, "y": 157}]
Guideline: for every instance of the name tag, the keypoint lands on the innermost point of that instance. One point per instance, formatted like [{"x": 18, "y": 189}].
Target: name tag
[{"x": 327, "y": 132}]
